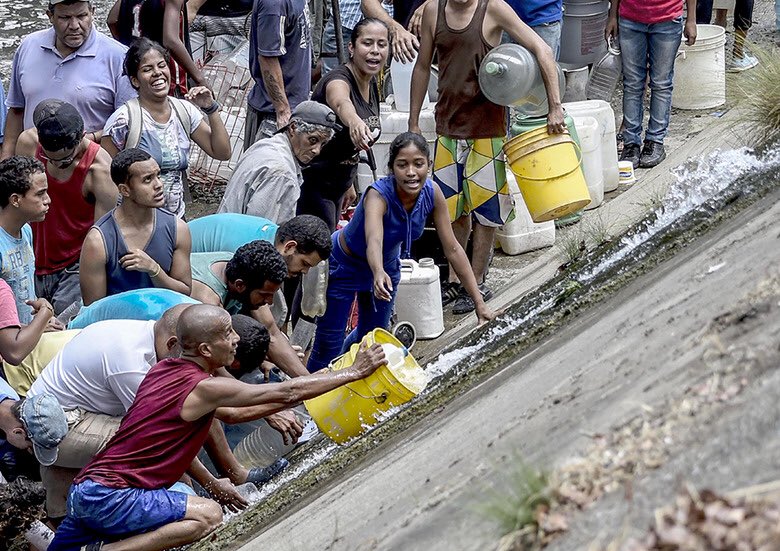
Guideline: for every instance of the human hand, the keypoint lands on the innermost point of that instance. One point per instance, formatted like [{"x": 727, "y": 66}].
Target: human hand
[
  {"x": 200, "y": 96},
  {"x": 53, "y": 325},
  {"x": 405, "y": 44},
  {"x": 287, "y": 423},
  {"x": 138, "y": 261},
  {"x": 414, "y": 127},
  {"x": 360, "y": 134},
  {"x": 299, "y": 351},
  {"x": 348, "y": 198},
  {"x": 690, "y": 31},
  {"x": 383, "y": 286},
  {"x": 266, "y": 367},
  {"x": 41, "y": 306},
  {"x": 283, "y": 118},
  {"x": 555, "y": 122},
  {"x": 415, "y": 22},
  {"x": 224, "y": 493},
  {"x": 611, "y": 30},
  {"x": 368, "y": 359},
  {"x": 485, "y": 314}
]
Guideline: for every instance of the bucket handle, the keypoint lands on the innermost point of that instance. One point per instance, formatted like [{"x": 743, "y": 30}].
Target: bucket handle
[
  {"x": 380, "y": 399},
  {"x": 579, "y": 164},
  {"x": 681, "y": 53}
]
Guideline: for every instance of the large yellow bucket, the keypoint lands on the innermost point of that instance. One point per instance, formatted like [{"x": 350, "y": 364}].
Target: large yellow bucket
[
  {"x": 548, "y": 172},
  {"x": 349, "y": 410}
]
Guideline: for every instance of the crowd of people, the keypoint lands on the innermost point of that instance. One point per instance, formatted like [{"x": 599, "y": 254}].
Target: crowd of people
[{"x": 93, "y": 209}]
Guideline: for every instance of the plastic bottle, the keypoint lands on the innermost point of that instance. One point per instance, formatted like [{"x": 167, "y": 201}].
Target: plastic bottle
[
  {"x": 605, "y": 75},
  {"x": 263, "y": 446},
  {"x": 401, "y": 77},
  {"x": 315, "y": 287}
]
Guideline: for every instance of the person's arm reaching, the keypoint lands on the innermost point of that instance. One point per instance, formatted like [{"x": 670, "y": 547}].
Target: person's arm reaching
[
  {"x": 421, "y": 73},
  {"x": 172, "y": 41},
  {"x": 280, "y": 351},
  {"x": 220, "y": 489},
  {"x": 404, "y": 43},
  {"x": 273, "y": 80},
  {"x": 337, "y": 97},
  {"x": 375, "y": 208}
]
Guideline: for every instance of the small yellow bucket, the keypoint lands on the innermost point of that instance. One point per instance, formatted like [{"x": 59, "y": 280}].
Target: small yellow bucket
[
  {"x": 347, "y": 411},
  {"x": 548, "y": 172}
]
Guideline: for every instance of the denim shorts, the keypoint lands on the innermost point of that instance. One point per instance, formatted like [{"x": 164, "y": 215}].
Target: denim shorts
[{"x": 99, "y": 513}]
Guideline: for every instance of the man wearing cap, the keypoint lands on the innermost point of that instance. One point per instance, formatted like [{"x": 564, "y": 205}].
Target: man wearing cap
[
  {"x": 267, "y": 179},
  {"x": 80, "y": 189},
  {"x": 83, "y": 65},
  {"x": 280, "y": 62}
]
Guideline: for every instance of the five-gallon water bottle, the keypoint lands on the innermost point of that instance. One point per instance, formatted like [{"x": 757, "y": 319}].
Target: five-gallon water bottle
[
  {"x": 605, "y": 74},
  {"x": 264, "y": 445}
]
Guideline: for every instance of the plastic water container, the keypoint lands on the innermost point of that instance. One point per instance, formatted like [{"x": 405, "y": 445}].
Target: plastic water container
[
  {"x": 590, "y": 142},
  {"x": 582, "y": 32},
  {"x": 605, "y": 75},
  {"x": 700, "y": 70},
  {"x": 315, "y": 287},
  {"x": 264, "y": 445},
  {"x": 395, "y": 122},
  {"x": 401, "y": 75},
  {"x": 418, "y": 300},
  {"x": 510, "y": 75},
  {"x": 603, "y": 113},
  {"x": 522, "y": 234}
]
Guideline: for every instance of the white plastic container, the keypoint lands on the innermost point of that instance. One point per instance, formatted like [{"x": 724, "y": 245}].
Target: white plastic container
[
  {"x": 700, "y": 70},
  {"x": 589, "y": 133},
  {"x": 418, "y": 300},
  {"x": 395, "y": 122},
  {"x": 401, "y": 75},
  {"x": 523, "y": 234},
  {"x": 264, "y": 445},
  {"x": 603, "y": 113}
]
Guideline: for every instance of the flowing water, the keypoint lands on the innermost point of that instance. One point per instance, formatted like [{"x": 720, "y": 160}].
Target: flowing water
[{"x": 20, "y": 18}]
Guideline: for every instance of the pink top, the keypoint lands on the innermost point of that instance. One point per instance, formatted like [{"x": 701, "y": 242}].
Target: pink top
[
  {"x": 651, "y": 11},
  {"x": 8, "y": 314},
  {"x": 154, "y": 446}
]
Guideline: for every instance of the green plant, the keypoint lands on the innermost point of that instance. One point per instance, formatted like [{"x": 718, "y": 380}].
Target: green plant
[
  {"x": 514, "y": 506},
  {"x": 759, "y": 94},
  {"x": 572, "y": 244},
  {"x": 597, "y": 229}
]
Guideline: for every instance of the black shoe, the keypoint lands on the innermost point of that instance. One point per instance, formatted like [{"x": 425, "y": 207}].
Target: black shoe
[
  {"x": 449, "y": 292},
  {"x": 631, "y": 153},
  {"x": 652, "y": 154},
  {"x": 464, "y": 304}
]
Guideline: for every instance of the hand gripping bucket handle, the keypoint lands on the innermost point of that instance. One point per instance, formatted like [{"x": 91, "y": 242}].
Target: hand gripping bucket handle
[
  {"x": 379, "y": 399},
  {"x": 555, "y": 139}
]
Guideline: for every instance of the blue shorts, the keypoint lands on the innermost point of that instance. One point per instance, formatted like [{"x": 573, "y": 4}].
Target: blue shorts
[{"x": 98, "y": 513}]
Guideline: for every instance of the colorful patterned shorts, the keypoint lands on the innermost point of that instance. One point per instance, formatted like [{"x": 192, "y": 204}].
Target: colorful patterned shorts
[{"x": 472, "y": 176}]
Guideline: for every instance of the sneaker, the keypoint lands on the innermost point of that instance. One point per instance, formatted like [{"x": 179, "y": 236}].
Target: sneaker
[
  {"x": 463, "y": 304},
  {"x": 631, "y": 153},
  {"x": 449, "y": 292},
  {"x": 652, "y": 154},
  {"x": 739, "y": 64}
]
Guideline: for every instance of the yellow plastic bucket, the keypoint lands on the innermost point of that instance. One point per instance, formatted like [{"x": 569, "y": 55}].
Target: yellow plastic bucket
[
  {"x": 548, "y": 172},
  {"x": 347, "y": 411}
]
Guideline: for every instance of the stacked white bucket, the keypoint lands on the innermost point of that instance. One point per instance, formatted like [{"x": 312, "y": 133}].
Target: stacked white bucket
[{"x": 418, "y": 300}]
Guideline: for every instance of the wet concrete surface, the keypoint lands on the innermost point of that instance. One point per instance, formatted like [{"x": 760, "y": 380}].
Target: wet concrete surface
[{"x": 420, "y": 489}]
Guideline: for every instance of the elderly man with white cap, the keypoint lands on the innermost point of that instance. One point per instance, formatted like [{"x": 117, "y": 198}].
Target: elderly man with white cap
[{"x": 267, "y": 180}]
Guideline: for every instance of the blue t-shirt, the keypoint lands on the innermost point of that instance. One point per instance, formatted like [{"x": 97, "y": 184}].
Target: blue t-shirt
[
  {"x": 17, "y": 268},
  {"x": 537, "y": 12},
  {"x": 227, "y": 231},
  {"x": 280, "y": 28}
]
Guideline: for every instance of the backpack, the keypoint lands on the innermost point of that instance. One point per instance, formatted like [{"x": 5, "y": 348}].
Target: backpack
[{"x": 135, "y": 119}]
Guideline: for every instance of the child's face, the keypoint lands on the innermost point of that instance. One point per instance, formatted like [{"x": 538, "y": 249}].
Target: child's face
[
  {"x": 35, "y": 203},
  {"x": 410, "y": 169}
]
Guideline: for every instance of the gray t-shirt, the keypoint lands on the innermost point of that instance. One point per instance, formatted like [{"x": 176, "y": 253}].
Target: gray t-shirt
[{"x": 280, "y": 28}]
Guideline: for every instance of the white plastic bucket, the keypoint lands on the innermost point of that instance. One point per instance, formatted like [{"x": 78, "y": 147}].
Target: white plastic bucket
[
  {"x": 522, "y": 234},
  {"x": 582, "y": 32},
  {"x": 700, "y": 70},
  {"x": 401, "y": 75},
  {"x": 590, "y": 142},
  {"x": 603, "y": 113}
]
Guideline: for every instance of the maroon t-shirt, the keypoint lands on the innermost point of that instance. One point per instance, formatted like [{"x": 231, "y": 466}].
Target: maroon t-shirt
[{"x": 154, "y": 446}]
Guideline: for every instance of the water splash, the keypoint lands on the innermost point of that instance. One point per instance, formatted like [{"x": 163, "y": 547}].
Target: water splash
[{"x": 694, "y": 185}]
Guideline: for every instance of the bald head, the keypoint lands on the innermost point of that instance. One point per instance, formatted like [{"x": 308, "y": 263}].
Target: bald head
[
  {"x": 170, "y": 319},
  {"x": 200, "y": 324}
]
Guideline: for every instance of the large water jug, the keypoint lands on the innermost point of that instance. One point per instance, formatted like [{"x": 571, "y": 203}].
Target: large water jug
[
  {"x": 264, "y": 445},
  {"x": 315, "y": 287},
  {"x": 590, "y": 143},
  {"x": 605, "y": 75},
  {"x": 603, "y": 113},
  {"x": 510, "y": 75},
  {"x": 401, "y": 75},
  {"x": 419, "y": 297}
]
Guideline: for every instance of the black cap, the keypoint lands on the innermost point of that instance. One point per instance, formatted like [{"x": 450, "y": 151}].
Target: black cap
[
  {"x": 316, "y": 113},
  {"x": 59, "y": 125}
]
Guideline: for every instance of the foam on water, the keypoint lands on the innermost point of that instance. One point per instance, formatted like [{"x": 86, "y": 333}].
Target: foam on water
[{"x": 693, "y": 186}]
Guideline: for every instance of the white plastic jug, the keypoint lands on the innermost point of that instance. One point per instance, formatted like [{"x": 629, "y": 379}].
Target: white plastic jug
[
  {"x": 590, "y": 142},
  {"x": 700, "y": 70},
  {"x": 522, "y": 234},
  {"x": 264, "y": 445},
  {"x": 603, "y": 113},
  {"x": 418, "y": 300},
  {"x": 401, "y": 76}
]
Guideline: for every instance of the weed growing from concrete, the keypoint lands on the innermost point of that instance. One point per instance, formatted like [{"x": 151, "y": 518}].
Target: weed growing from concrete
[
  {"x": 572, "y": 244},
  {"x": 598, "y": 229},
  {"x": 759, "y": 91}
]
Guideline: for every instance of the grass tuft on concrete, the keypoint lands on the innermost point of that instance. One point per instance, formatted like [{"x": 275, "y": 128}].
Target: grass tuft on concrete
[
  {"x": 759, "y": 94},
  {"x": 514, "y": 506}
]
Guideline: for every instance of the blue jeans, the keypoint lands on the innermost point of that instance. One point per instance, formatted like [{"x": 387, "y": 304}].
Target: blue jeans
[
  {"x": 641, "y": 45},
  {"x": 549, "y": 32},
  {"x": 329, "y": 46}
]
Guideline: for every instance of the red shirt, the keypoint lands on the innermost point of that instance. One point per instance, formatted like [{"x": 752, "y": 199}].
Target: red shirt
[
  {"x": 154, "y": 446},
  {"x": 650, "y": 11},
  {"x": 57, "y": 240}
]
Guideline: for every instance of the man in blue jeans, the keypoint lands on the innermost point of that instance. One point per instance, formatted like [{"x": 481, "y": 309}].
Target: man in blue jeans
[{"x": 650, "y": 32}]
